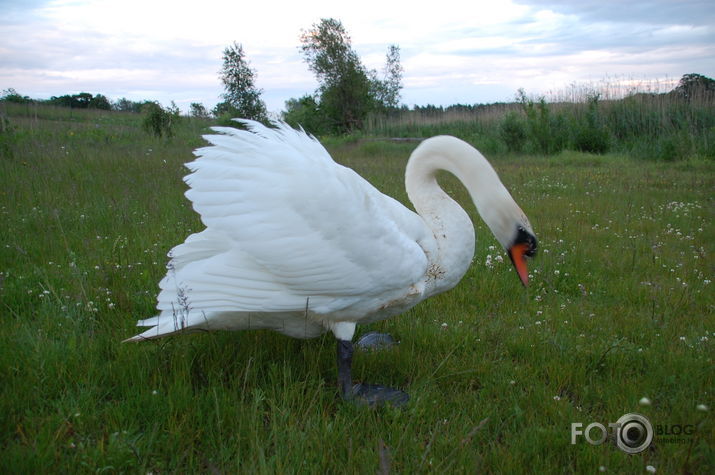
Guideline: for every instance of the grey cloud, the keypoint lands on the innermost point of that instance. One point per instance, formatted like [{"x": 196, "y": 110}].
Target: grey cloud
[
  {"x": 579, "y": 34},
  {"x": 654, "y": 12}
]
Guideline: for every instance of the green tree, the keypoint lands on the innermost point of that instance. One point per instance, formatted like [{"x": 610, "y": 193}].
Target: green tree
[
  {"x": 388, "y": 90},
  {"x": 11, "y": 95},
  {"x": 693, "y": 85},
  {"x": 127, "y": 105},
  {"x": 83, "y": 100},
  {"x": 100, "y": 101},
  {"x": 348, "y": 92},
  {"x": 345, "y": 86},
  {"x": 241, "y": 96},
  {"x": 197, "y": 110}
]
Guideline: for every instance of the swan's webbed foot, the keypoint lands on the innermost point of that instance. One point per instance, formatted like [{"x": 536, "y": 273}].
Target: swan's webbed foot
[
  {"x": 375, "y": 341},
  {"x": 375, "y": 395},
  {"x": 361, "y": 393}
]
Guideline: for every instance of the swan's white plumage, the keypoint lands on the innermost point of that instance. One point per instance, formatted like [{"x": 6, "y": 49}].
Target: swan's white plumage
[
  {"x": 288, "y": 228},
  {"x": 299, "y": 244}
]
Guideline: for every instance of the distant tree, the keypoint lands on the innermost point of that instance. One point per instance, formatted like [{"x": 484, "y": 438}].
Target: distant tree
[
  {"x": 122, "y": 104},
  {"x": 348, "y": 91},
  {"x": 692, "y": 85},
  {"x": 197, "y": 110},
  {"x": 126, "y": 105},
  {"x": 241, "y": 93},
  {"x": 83, "y": 100},
  {"x": 174, "y": 110},
  {"x": 429, "y": 110},
  {"x": 388, "y": 90},
  {"x": 63, "y": 101},
  {"x": 11, "y": 95},
  {"x": 224, "y": 109},
  {"x": 100, "y": 101},
  {"x": 345, "y": 86}
]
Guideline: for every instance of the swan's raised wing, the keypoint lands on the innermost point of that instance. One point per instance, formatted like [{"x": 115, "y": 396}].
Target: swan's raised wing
[{"x": 284, "y": 224}]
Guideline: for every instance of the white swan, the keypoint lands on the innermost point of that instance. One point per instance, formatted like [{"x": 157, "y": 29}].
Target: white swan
[{"x": 298, "y": 244}]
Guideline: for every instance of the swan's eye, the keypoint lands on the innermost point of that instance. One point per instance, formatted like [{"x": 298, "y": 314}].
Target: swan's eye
[{"x": 525, "y": 237}]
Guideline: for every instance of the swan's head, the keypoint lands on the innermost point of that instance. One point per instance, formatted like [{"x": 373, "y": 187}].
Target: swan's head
[
  {"x": 510, "y": 227},
  {"x": 523, "y": 245},
  {"x": 502, "y": 215}
]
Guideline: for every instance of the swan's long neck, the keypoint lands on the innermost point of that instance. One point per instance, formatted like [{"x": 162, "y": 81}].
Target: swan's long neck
[{"x": 450, "y": 224}]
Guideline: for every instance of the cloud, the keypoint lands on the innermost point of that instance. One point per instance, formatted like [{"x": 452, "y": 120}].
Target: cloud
[{"x": 654, "y": 12}]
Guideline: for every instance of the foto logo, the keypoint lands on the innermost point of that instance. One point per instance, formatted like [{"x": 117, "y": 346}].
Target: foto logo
[{"x": 632, "y": 432}]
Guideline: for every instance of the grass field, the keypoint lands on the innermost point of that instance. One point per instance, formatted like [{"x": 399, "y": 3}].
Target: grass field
[{"x": 620, "y": 308}]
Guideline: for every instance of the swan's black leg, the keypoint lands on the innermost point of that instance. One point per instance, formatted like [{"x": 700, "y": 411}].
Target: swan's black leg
[
  {"x": 345, "y": 362},
  {"x": 369, "y": 394}
]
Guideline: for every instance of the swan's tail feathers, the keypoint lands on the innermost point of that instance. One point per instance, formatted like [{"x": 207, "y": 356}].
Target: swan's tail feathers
[
  {"x": 161, "y": 327},
  {"x": 149, "y": 322}
]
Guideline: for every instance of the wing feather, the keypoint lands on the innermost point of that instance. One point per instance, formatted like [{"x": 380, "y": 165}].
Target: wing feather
[{"x": 285, "y": 223}]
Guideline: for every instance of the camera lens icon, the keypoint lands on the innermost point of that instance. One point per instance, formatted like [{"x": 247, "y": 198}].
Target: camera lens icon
[{"x": 634, "y": 433}]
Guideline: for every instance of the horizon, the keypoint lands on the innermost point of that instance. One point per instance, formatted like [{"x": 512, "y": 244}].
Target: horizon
[{"x": 572, "y": 93}]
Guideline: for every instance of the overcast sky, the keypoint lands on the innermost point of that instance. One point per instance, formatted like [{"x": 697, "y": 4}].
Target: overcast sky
[{"x": 453, "y": 51}]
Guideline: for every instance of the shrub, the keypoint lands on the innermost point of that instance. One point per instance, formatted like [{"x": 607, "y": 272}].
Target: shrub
[
  {"x": 8, "y": 138},
  {"x": 591, "y": 136},
  {"x": 673, "y": 147},
  {"x": 591, "y": 139},
  {"x": 547, "y": 134},
  {"x": 707, "y": 148},
  {"x": 305, "y": 112},
  {"x": 160, "y": 121},
  {"x": 512, "y": 131}
]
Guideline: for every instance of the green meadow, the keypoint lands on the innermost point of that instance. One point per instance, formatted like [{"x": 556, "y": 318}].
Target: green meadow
[{"x": 620, "y": 308}]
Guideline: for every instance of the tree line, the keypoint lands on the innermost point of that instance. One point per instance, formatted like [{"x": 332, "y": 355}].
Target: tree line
[{"x": 83, "y": 100}]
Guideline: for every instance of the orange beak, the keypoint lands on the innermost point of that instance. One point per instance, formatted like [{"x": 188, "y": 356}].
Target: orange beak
[{"x": 518, "y": 258}]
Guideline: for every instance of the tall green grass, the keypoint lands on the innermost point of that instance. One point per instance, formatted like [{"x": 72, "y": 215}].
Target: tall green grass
[
  {"x": 642, "y": 122},
  {"x": 620, "y": 307}
]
